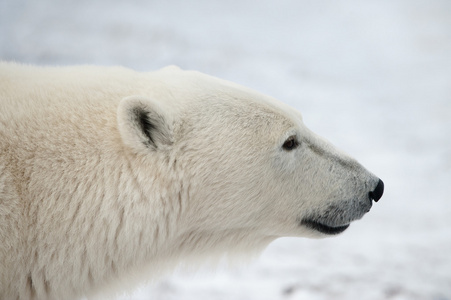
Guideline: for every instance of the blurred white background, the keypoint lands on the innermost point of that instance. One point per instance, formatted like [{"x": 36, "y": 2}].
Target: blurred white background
[{"x": 374, "y": 77}]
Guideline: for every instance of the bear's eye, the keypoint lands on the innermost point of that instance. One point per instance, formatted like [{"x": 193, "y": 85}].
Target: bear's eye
[{"x": 290, "y": 144}]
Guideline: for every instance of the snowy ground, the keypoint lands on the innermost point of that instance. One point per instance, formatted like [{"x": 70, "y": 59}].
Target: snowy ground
[{"x": 372, "y": 76}]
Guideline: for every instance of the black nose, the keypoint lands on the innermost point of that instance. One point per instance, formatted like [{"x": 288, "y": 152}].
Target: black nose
[{"x": 378, "y": 191}]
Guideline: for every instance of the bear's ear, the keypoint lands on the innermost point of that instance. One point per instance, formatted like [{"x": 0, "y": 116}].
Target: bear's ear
[{"x": 144, "y": 124}]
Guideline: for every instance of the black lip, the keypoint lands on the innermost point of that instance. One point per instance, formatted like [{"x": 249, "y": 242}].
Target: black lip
[{"x": 331, "y": 230}]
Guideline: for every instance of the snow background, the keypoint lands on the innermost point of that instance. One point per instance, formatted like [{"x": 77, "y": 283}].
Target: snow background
[{"x": 374, "y": 77}]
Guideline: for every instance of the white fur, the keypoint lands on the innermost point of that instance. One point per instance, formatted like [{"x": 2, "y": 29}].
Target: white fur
[{"x": 87, "y": 202}]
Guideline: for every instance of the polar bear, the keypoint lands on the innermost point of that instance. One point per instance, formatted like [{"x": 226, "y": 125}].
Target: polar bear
[{"x": 107, "y": 174}]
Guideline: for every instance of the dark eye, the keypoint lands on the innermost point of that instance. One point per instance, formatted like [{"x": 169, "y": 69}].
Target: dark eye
[{"x": 290, "y": 144}]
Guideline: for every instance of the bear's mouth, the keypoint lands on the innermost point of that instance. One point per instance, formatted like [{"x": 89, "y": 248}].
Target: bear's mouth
[{"x": 323, "y": 228}]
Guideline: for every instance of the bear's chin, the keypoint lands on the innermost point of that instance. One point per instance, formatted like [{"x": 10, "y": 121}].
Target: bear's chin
[{"x": 323, "y": 228}]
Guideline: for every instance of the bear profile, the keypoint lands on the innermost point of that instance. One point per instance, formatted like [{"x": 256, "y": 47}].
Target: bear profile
[{"x": 108, "y": 175}]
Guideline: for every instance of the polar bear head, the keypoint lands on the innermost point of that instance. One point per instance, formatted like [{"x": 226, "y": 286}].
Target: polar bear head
[
  {"x": 98, "y": 185},
  {"x": 245, "y": 167}
]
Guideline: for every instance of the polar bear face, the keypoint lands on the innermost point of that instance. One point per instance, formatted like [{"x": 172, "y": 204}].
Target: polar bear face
[
  {"x": 247, "y": 164},
  {"x": 98, "y": 185}
]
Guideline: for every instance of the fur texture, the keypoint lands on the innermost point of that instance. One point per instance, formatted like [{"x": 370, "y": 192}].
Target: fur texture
[{"x": 107, "y": 174}]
